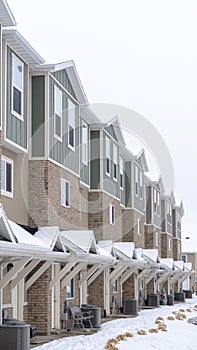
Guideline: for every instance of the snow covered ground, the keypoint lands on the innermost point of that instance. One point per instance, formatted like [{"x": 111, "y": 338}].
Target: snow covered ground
[{"x": 180, "y": 334}]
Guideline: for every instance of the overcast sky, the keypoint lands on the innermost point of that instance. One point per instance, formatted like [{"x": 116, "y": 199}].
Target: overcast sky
[{"x": 135, "y": 53}]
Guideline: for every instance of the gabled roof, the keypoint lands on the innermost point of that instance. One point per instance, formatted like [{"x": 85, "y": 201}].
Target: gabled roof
[
  {"x": 168, "y": 262},
  {"x": 178, "y": 265},
  {"x": 188, "y": 266},
  {"x": 6, "y": 231},
  {"x": 6, "y": 16},
  {"x": 155, "y": 180},
  {"x": 73, "y": 75},
  {"x": 108, "y": 246},
  {"x": 22, "y": 47},
  {"x": 117, "y": 129},
  {"x": 151, "y": 255},
  {"x": 142, "y": 158},
  {"x": 76, "y": 240},
  {"x": 138, "y": 254},
  {"x": 124, "y": 249},
  {"x": 50, "y": 237},
  {"x": 88, "y": 115},
  {"x": 24, "y": 237}
]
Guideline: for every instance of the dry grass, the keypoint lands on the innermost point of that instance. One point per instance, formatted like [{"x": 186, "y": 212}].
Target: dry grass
[
  {"x": 153, "y": 330},
  {"x": 141, "y": 332}
]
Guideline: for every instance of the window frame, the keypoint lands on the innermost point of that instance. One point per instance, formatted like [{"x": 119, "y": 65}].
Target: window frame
[
  {"x": 169, "y": 244},
  {"x": 136, "y": 180},
  {"x": 72, "y": 288},
  {"x": 112, "y": 214},
  {"x": 156, "y": 239},
  {"x": 4, "y": 192},
  {"x": 121, "y": 173},
  {"x": 108, "y": 155},
  {"x": 139, "y": 226},
  {"x": 56, "y": 114},
  {"x": 115, "y": 286},
  {"x": 13, "y": 85},
  {"x": 84, "y": 143},
  {"x": 115, "y": 161},
  {"x": 141, "y": 184},
  {"x": 70, "y": 125},
  {"x": 66, "y": 195}
]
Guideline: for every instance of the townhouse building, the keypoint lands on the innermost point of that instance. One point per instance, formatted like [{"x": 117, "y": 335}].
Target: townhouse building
[{"x": 70, "y": 178}]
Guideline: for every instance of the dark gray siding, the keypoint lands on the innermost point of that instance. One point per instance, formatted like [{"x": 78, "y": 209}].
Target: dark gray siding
[
  {"x": 174, "y": 223},
  {"x": 163, "y": 216},
  {"x": 59, "y": 151},
  {"x": 63, "y": 78},
  {"x": 16, "y": 129},
  {"x": 128, "y": 188},
  {"x": 138, "y": 201},
  {"x": 148, "y": 205},
  {"x": 95, "y": 159},
  {"x": 38, "y": 116}
]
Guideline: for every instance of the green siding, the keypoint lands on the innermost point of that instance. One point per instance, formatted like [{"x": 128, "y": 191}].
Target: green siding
[
  {"x": 63, "y": 78},
  {"x": 128, "y": 184},
  {"x": 139, "y": 202},
  {"x": 38, "y": 116},
  {"x": 94, "y": 159},
  {"x": 59, "y": 151},
  {"x": 16, "y": 129}
]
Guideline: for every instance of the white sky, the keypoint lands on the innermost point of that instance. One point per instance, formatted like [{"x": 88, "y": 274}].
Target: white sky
[{"x": 135, "y": 53}]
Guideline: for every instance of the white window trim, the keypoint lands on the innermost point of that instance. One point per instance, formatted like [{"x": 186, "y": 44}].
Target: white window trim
[
  {"x": 115, "y": 284},
  {"x": 64, "y": 204},
  {"x": 121, "y": 172},
  {"x": 59, "y": 138},
  {"x": 13, "y": 112},
  {"x": 112, "y": 222},
  {"x": 157, "y": 239},
  {"x": 115, "y": 161},
  {"x": 136, "y": 181},
  {"x": 73, "y": 127},
  {"x": 4, "y": 192},
  {"x": 72, "y": 297},
  {"x": 107, "y": 140},
  {"x": 141, "y": 184},
  {"x": 84, "y": 143},
  {"x": 139, "y": 223}
]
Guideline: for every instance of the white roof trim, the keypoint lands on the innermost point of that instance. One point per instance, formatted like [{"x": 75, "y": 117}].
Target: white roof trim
[
  {"x": 49, "y": 236},
  {"x": 6, "y": 15},
  {"x": 83, "y": 240},
  {"x": 151, "y": 255},
  {"x": 5, "y": 228},
  {"x": 125, "y": 248}
]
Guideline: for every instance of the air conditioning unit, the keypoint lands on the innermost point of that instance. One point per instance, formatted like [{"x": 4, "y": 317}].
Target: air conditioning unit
[
  {"x": 14, "y": 336},
  {"x": 130, "y": 306}
]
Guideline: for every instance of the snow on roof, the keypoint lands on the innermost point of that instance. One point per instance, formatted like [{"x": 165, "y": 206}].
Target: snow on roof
[
  {"x": 126, "y": 248},
  {"x": 178, "y": 265},
  {"x": 24, "y": 236},
  {"x": 108, "y": 246},
  {"x": 169, "y": 262},
  {"x": 103, "y": 252},
  {"x": 5, "y": 229},
  {"x": 151, "y": 254},
  {"x": 188, "y": 266},
  {"x": 138, "y": 254},
  {"x": 79, "y": 239},
  {"x": 48, "y": 235}
]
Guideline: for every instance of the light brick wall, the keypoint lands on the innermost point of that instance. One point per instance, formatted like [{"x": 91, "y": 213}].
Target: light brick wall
[
  {"x": 165, "y": 252},
  {"x": 45, "y": 196},
  {"x": 96, "y": 292},
  {"x": 128, "y": 287},
  {"x": 99, "y": 216},
  {"x": 150, "y": 238},
  {"x": 176, "y": 254},
  {"x": 130, "y": 227}
]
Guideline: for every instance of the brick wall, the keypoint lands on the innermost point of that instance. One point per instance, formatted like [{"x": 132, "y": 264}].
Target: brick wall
[
  {"x": 150, "y": 238},
  {"x": 99, "y": 216},
  {"x": 130, "y": 227},
  {"x": 176, "y": 254},
  {"x": 96, "y": 292},
  {"x": 128, "y": 287},
  {"x": 45, "y": 196},
  {"x": 165, "y": 252}
]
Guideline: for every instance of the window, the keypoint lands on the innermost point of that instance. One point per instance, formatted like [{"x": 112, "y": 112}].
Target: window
[
  {"x": 121, "y": 172},
  {"x": 107, "y": 144},
  {"x": 155, "y": 200},
  {"x": 111, "y": 214},
  {"x": 179, "y": 248},
  {"x": 7, "y": 177},
  {"x": 184, "y": 258},
  {"x": 17, "y": 87},
  {"x": 169, "y": 244},
  {"x": 136, "y": 180},
  {"x": 57, "y": 113},
  {"x": 115, "y": 286},
  {"x": 158, "y": 202},
  {"x": 71, "y": 124},
  {"x": 70, "y": 292},
  {"x": 115, "y": 158},
  {"x": 65, "y": 193},
  {"x": 157, "y": 239},
  {"x": 141, "y": 184},
  {"x": 139, "y": 226},
  {"x": 84, "y": 142}
]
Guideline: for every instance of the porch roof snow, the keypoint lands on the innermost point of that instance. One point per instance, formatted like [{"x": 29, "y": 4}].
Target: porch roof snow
[
  {"x": 151, "y": 254},
  {"x": 48, "y": 235},
  {"x": 188, "y": 266},
  {"x": 79, "y": 240},
  {"x": 168, "y": 262},
  {"x": 125, "y": 248},
  {"x": 178, "y": 265},
  {"x": 138, "y": 254},
  {"x": 23, "y": 236}
]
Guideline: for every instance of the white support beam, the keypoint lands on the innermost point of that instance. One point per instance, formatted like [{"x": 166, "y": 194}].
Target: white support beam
[
  {"x": 162, "y": 278},
  {"x": 88, "y": 274},
  {"x": 23, "y": 273},
  {"x": 62, "y": 273},
  {"x": 72, "y": 274},
  {"x": 116, "y": 270},
  {"x": 186, "y": 275},
  {"x": 14, "y": 270},
  {"x": 95, "y": 275},
  {"x": 118, "y": 274},
  {"x": 150, "y": 277},
  {"x": 144, "y": 273},
  {"x": 175, "y": 278},
  {"x": 127, "y": 274},
  {"x": 37, "y": 274}
]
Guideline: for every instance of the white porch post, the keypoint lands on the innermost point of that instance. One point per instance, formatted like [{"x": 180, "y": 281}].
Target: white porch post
[
  {"x": 1, "y": 301},
  {"x": 107, "y": 291}
]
